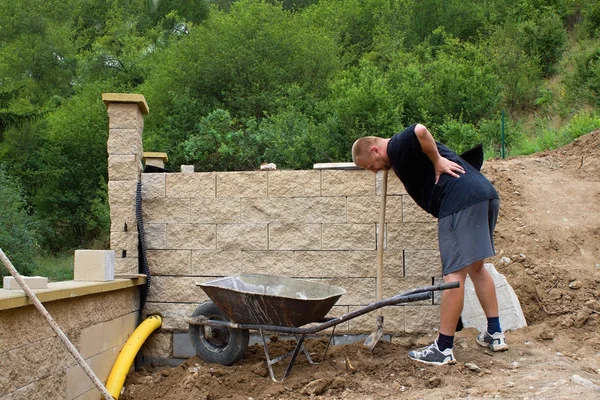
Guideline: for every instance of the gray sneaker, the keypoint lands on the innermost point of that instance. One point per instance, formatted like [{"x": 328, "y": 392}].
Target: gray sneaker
[
  {"x": 496, "y": 342},
  {"x": 432, "y": 355}
]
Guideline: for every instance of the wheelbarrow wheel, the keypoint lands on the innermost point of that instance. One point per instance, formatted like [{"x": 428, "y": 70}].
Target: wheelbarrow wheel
[{"x": 215, "y": 344}]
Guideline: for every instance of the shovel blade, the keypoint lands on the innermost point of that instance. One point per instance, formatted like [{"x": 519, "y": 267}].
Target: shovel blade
[{"x": 373, "y": 338}]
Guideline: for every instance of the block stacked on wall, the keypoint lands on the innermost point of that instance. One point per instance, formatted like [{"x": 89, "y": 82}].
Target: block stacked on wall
[{"x": 319, "y": 224}]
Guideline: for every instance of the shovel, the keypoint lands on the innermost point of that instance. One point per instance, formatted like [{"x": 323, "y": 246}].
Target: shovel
[{"x": 372, "y": 340}]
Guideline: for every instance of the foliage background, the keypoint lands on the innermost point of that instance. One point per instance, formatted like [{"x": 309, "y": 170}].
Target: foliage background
[{"x": 231, "y": 84}]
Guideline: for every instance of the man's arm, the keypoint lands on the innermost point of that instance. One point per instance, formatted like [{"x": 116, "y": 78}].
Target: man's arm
[{"x": 441, "y": 165}]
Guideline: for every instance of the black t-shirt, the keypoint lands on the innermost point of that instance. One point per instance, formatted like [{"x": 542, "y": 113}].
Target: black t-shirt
[{"x": 416, "y": 172}]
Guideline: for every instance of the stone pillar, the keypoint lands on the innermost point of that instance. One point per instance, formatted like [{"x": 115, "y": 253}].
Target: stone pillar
[{"x": 125, "y": 125}]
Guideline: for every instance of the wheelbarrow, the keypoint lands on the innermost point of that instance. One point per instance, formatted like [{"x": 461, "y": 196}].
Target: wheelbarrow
[{"x": 219, "y": 328}]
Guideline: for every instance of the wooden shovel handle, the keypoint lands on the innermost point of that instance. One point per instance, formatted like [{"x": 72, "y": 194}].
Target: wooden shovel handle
[{"x": 380, "y": 236}]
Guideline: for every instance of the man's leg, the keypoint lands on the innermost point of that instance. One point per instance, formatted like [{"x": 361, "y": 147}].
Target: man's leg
[
  {"x": 486, "y": 294},
  {"x": 452, "y": 302}
]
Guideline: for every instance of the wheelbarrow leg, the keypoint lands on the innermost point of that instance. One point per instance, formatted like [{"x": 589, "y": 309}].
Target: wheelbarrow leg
[{"x": 294, "y": 354}]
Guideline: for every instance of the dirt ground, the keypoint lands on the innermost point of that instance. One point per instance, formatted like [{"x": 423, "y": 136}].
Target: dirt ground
[{"x": 549, "y": 228}]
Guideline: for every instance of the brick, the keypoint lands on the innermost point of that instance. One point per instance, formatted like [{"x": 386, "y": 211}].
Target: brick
[
  {"x": 159, "y": 210},
  {"x": 159, "y": 344},
  {"x": 347, "y": 183},
  {"x": 191, "y": 236},
  {"x": 124, "y": 241},
  {"x": 130, "y": 323},
  {"x": 125, "y": 116},
  {"x": 155, "y": 236},
  {"x": 33, "y": 282},
  {"x": 173, "y": 314},
  {"x": 412, "y": 236},
  {"x": 413, "y": 213},
  {"x": 169, "y": 262},
  {"x": 421, "y": 318},
  {"x": 216, "y": 211},
  {"x": 121, "y": 214},
  {"x": 422, "y": 263},
  {"x": 242, "y": 237},
  {"x": 393, "y": 320},
  {"x": 242, "y": 184},
  {"x": 89, "y": 345},
  {"x": 199, "y": 184},
  {"x": 349, "y": 236},
  {"x": 123, "y": 167},
  {"x": 294, "y": 236},
  {"x": 216, "y": 262},
  {"x": 154, "y": 186},
  {"x": 176, "y": 289},
  {"x": 296, "y": 210},
  {"x": 294, "y": 183},
  {"x": 94, "y": 265},
  {"x": 367, "y": 209},
  {"x": 123, "y": 192},
  {"x": 268, "y": 262},
  {"x": 124, "y": 141},
  {"x": 112, "y": 333},
  {"x": 127, "y": 265},
  {"x": 394, "y": 186}
]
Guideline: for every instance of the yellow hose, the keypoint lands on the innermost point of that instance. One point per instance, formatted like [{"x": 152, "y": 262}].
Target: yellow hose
[{"x": 128, "y": 352}]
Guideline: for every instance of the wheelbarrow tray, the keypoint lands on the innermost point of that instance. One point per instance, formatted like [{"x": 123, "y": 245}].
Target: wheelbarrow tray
[{"x": 259, "y": 299}]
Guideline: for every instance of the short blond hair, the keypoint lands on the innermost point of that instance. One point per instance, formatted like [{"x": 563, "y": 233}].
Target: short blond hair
[{"x": 361, "y": 147}]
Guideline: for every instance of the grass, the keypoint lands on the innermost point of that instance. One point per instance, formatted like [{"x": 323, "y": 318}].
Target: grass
[{"x": 54, "y": 267}]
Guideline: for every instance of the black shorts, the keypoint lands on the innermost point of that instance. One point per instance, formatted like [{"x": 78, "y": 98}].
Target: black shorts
[{"x": 467, "y": 235}]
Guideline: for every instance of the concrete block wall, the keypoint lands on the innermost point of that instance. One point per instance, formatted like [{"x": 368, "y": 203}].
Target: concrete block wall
[
  {"x": 35, "y": 364},
  {"x": 318, "y": 225}
]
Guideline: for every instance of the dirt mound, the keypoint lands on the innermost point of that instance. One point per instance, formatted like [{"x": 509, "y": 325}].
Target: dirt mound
[{"x": 548, "y": 247}]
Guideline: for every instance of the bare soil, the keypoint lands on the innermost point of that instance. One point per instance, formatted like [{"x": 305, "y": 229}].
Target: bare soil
[{"x": 549, "y": 228}]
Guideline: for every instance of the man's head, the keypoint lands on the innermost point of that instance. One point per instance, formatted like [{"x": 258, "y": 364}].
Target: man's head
[{"x": 370, "y": 152}]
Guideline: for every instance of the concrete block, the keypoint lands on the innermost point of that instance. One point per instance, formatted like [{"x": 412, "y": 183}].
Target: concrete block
[
  {"x": 125, "y": 116},
  {"x": 394, "y": 186},
  {"x": 122, "y": 214},
  {"x": 349, "y": 236},
  {"x": 393, "y": 320},
  {"x": 191, "y": 236},
  {"x": 182, "y": 345},
  {"x": 124, "y": 244},
  {"x": 347, "y": 183},
  {"x": 395, "y": 286},
  {"x": 421, "y": 318},
  {"x": 359, "y": 291},
  {"x": 130, "y": 323},
  {"x": 155, "y": 158},
  {"x": 33, "y": 282},
  {"x": 77, "y": 382},
  {"x": 127, "y": 265},
  {"x": 411, "y": 212},
  {"x": 154, "y": 186},
  {"x": 89, "y": 343},
  {"x": 123, "y": 167},
  {"x": 159, "y": 344},
  {"x": 163, "y": 210},
  {"x": 422, "y": 263},
  {"x": 216, "y": 262},
  {"x": 167, "y": 289},
  {"x": 510, "y": 312},
  {"x": 216, "y": 211},
  {"x": 124, "y": 141},
  {"x": 94, "y": 265},
  {"x": 199, "y": 184},
  {"x": 295, "y": 210},
  {"x": 170, "y": 262},
  {"x": 242, "y": 184},
  {"x": 294, "y": 183},
  {"x": 242, "y": 237},
  {"x": 156, "y": 236},
  {"x": 268, "y": 262},
  {"x": 412, "y": 236},
  {"x": 347, "y": 263},
  {"x": 112, "y": 333},
  {"x": 122, "y": 192},
  {"x": 294, "y": 236},
  {"x": 187, "y": 169},
  {"x": 367, "y": 209},
  {"x": 173, "y": 314}
]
